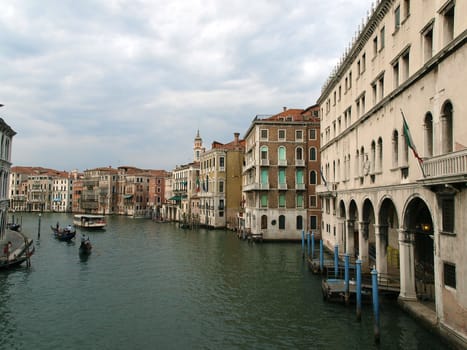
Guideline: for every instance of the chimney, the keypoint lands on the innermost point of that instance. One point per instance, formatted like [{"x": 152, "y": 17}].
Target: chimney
[
  {"x": 236, "y": 136},
  {"x": 285, "y": 108}
]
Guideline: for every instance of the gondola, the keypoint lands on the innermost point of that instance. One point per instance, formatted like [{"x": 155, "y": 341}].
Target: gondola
[
  {"x": 85, "y": 247},
  {"x": 63, "y": 234}
]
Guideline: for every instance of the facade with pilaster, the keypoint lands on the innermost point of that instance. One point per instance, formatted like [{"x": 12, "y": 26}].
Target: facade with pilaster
[
  {"x": 6, "y": 140},
  {"x": 395, "y": 189}
]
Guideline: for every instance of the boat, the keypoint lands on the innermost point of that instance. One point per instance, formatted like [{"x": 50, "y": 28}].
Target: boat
[
  {"x": 14, "y": 227},
  {"x": 64, "y": 234},
  {"x": 85, "y": 247},
  {"x": 91, "y": 222},
  {"x": 18, "y": 256}
]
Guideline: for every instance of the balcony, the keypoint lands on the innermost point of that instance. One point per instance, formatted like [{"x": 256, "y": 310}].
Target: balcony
[
  {"x": 327, "y": 190},
  {"x": 282, "y": 162},
  {"x": 299, "y": 162},
  {"x": 300, "y": 186},
  {"x": 264, "y": 162},
  {"x": 282, "y": 186},
  {"x": 256, "y": 187},
  {"x": 446, "y": 168}
]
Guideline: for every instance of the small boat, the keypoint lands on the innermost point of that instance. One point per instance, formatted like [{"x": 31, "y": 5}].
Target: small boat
[
  {"x": 18, "y": 256},
  {"x": 85, "y": 247},
  {"x": 64, "y": 234},
  {"x": 91, "y": 222},
  {"x": 14, "y": 227}
]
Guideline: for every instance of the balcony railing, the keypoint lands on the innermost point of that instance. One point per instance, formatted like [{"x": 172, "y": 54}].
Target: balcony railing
[
  {"x": 327, "y": 189},
  {"x": 264, "y": 162},
  {"x": 451, "y": 164},
  {"x": 282, "y": 162},
  {"x": 300, "y": 186},
  {"x": 299, "y": 162},
  {"x": 282, "y": 186},
  {"x": 256, "y": 186}
]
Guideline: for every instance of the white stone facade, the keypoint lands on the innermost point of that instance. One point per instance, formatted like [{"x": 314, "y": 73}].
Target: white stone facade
[{"x": 381, "y": 203}]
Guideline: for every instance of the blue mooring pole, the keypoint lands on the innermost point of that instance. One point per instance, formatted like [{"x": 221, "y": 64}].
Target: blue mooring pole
[
  {"x": 359, "y": 289},
  {"x": 303, "y": 243},
  {"x": 312, "y": 245},
  {"x": 346, "y": 276},
  {"x": 308, "y": 243},
  {"x": 336, "y": 261},
  {"x": 321, "y": 256},
  {"x": 374, "y": 284}
]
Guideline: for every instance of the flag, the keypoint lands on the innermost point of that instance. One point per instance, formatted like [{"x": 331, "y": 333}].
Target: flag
[
  {"x": 322, "y": 177},
  {"x": 409, "y": 141},
  {"x": 197, "y": 184}
]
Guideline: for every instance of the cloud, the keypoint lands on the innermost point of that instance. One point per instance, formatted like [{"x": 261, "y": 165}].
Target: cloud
[{"x": 99, "y": 82}]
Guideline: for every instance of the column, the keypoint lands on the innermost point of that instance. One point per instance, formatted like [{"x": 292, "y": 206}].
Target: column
[
  {"x": 349, "y": 248},
  {"x": 381, "y": 233},
  {"x": 407, "y": 265},
  {"x": 363, "y": 245}
]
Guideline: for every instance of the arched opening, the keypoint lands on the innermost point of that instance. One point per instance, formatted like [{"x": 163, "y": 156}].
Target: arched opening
[
  {"x": 281, "y": 222},
  {"x": 446, "y": 128},
  {"x": 352, "y": 227},
  {"x": 342, "y": 225},
  {"x": 389, "y": 236},
  {"x": 419, "y": 225},
  {"x": 428, "y": 135},
  {"x": 368, "y": 234},
  {"x": 395, "y": 149},
  {"x": 264, "y": 222}
]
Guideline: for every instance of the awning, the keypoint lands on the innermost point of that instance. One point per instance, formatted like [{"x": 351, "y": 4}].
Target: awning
[
  {"x": 127, "y": 196},
  {"x": 175, "y": 198}
]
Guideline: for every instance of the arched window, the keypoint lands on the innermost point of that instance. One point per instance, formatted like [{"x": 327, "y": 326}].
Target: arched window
[
  {"x": 373, "y": 157},
  {"x": 299, "y": 225},
  {"x": 395, "y": 149},
  {"x": 264, "y": 222},
  {"x": 281, "y": 153},
  {"x": 428, "y": 135},
  {"x": 313, "y": 154},
  {"x": 312, "y": 177},
  {"x": 379, "y": 166},
  {"x": 299, "y": 153},
  {"x": 281, "y": 222},
  {"x": 264, "y": 154},
  {"x": 446, "y": 128}
]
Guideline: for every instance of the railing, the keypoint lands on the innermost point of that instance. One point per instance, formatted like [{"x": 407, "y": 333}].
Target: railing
[
  {"x": 446, "y": 165},
  {"x": 256, "y": 186},
  {"x": 282, "y": 162},
  {"x": 299, "y": 162},
  {"x": 300, "y": 186},
  {"x": 264, "y": 162},
  {"x": 282, "y": 186}
]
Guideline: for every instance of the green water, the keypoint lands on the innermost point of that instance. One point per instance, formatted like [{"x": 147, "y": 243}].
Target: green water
[{"x": 154, "y": 286}]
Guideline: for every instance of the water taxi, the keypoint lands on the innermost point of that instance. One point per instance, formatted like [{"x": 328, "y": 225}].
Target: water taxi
[{"x": 91, "y": 222}]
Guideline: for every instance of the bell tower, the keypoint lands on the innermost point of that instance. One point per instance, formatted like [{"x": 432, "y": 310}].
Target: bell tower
[{"x": 198, "y": 148}]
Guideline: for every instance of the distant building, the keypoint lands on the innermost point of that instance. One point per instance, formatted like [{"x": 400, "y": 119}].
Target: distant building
[
  {"x": 396, "y": 191},
  {"x": 6, "y": 140},
  {"x": 275, "y": 173},
  {"x": 219, "y": 185}
]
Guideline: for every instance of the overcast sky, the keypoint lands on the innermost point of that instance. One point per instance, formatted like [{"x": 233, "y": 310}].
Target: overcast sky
[{"x": 95, "y": 83}]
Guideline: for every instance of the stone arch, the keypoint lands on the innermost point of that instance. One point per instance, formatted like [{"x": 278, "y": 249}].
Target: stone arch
[
  {"x": 428, "y": 126},
  {"x": 388, "y": 224},
  {"x": 418, "y": 235},
  {"x": 367, "y": 239},
  {"x": 352, "y": 239},
  {"x": 447, "y": 123}
]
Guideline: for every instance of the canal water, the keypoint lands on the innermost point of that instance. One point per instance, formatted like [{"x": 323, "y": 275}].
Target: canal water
[{"x": 149, "y": 285}]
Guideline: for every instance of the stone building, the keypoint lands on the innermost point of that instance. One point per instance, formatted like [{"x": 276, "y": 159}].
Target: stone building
[
  {"x": 219, "y": 185},
  {"x": 6, "y": 140},
  {"x": 275, "y": 172},
  {"x": 394, "y": 153}
]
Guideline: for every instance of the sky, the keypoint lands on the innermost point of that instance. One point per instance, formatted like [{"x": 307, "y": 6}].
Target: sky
[{"x": 96, "y": 83}]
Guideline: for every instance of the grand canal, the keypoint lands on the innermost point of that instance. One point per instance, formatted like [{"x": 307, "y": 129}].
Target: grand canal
[{"x": 154, "y": 286}]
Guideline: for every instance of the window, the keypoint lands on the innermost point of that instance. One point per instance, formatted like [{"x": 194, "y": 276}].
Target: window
[
  {"x": 427, "y": 34},
  {"x": 382, "y": 33},
  {"x": 405, "y": 65},
  {"x": 313, "y": 222},
  {"x": 448, "y": 22},
  {"x": 446, "y": 128},
  {"x": 299, "y": 153},
  {"x": 379, "y": 151},
  {"x": 298, "y": 135},
  {"x": 312, "y": 154},
  {"x": 264, "y": 176},
  {"x": 299, "y": 200},
  {"x": 264, "y": 155},
  {"x": 221, "y": 162},
  {"x": 281, "y": 222},
  {"x": 313, "y": 201},
  {"x": 264, "y": 222},
  {"x": 312, "y": 177},
  {"x": 381, "y": 87},
  {"x": 448, "y": 214},
  {"x": 312, "y": 134},
  {"x": 449, "y": 273},
  {"x": 281, "y": 200},
  {"x": 363, "y": 62},
  {"x": 428, "y": 135},
  {"x": 282, "y": 156},
  {"x": 221, "y": 186},
  {"x": 406, "y": 4},
  {"x": 375, "y": 46},
  {"x": 395, "y": 149},
  {"x": 397, "y": 18},
  {"x": 281, "y": 135},
  {"x": 264, "y": 134},
  {"x": 281, "y": 179},
  {"x": 299, "y": 224},
  {"x": 299, "y": 177},
  {"x": 264, "y": 200},
  {"x": 395, "y": 71}
]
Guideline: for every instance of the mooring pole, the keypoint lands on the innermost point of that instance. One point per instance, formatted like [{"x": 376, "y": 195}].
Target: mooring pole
[
  {"x": 346, "y": 277},
  {"x": 358, "y": 264},
  {"x": 321, "y": 256},
  {"x": 312, "y": 245},
  {"x": 303, "y": 243},
  {"x": 39, "y": 227},
  {"x": 374, "y": 284},
  {"x": 308, "y": 244},
  {"x": 336, "y": 261}
]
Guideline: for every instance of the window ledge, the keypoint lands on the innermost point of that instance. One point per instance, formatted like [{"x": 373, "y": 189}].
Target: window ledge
[{"x": 445, "y": 233}]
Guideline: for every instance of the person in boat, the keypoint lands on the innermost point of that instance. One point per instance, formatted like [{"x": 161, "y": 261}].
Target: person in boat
[
  {"x": 83, "y": 238},
  {"x": 68, "y": 228}
]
